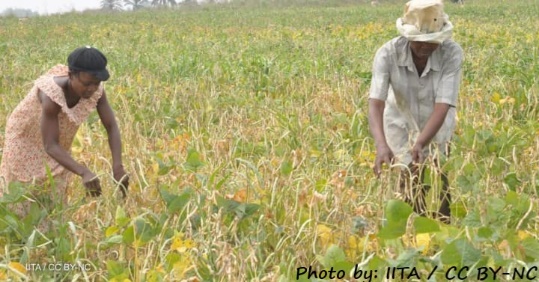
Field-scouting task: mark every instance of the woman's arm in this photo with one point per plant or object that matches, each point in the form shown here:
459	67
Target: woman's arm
50	132
115	142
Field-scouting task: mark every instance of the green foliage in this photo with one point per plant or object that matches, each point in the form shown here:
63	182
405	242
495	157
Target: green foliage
245	133
425	225
397	213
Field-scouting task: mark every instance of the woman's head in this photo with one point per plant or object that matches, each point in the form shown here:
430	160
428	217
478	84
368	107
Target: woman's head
425	21
90	60
87	69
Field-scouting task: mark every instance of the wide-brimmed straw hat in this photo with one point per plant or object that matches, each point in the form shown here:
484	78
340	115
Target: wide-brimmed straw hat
425	21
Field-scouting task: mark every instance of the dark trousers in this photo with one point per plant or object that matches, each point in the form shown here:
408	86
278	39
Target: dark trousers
414	189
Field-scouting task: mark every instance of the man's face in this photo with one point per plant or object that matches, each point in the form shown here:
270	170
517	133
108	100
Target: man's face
84	84
423	50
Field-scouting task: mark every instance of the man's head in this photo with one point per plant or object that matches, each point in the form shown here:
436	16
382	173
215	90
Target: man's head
426	15
425	21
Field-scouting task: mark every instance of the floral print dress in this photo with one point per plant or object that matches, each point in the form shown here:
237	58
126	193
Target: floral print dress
24	158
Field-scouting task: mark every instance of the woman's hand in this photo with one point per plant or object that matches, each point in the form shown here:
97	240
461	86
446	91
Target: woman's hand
122	178
383	155
91	183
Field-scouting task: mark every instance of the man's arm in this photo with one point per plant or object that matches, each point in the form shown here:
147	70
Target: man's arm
434	123
376	125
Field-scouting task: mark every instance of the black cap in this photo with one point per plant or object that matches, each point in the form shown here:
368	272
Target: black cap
89	59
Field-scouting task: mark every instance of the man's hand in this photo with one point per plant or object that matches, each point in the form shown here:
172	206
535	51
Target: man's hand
383	155
91	183
417	154
122	178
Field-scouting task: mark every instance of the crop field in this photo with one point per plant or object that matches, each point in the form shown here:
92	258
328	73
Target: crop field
245	134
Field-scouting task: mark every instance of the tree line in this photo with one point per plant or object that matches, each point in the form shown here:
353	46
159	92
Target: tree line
139	4
19	13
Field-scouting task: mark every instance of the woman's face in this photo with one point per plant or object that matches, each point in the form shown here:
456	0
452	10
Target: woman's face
84	84
423	50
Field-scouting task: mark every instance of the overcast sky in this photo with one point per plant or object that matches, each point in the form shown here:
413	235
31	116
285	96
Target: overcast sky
50	6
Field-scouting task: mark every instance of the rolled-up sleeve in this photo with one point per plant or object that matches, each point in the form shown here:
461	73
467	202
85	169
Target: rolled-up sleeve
449	85
380	75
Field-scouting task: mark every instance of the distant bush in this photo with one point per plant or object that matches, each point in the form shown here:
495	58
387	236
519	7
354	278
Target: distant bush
19	13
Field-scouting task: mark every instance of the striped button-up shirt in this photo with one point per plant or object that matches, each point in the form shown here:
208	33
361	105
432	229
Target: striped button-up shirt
410	98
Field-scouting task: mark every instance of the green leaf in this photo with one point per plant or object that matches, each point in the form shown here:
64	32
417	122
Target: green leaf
425	225
171	259
466	183
484	232
496	213
397	213
451	254
469	169
458	210
512	181
163	167
155	276
144	230
286	167
15	194
377	263
512	198
334	255
174	202
518	205
166	196
345	266
36	214
428	177
116	270
111	230
121	218
472	219
63	248
321	184
227	204
392	230
193	162
531	248
179	202
512	239
408	258
246	209
496	205
129	235
114	239
498	167
11	221
397	210
470	255
460	252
